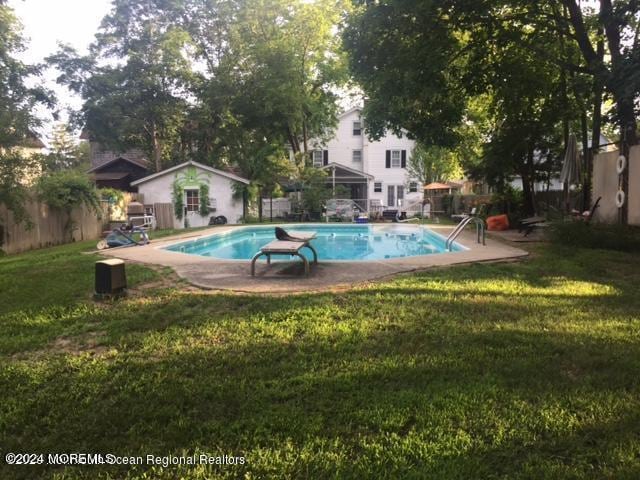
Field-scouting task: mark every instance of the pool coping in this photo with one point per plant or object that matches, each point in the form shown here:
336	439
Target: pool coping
283	277
291	228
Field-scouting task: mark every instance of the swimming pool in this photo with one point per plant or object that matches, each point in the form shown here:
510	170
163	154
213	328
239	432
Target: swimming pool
334	242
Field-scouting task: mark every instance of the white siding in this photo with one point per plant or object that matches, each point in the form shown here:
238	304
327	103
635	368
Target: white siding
159	190
373	157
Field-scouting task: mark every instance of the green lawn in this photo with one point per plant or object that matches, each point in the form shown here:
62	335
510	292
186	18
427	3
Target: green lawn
494	371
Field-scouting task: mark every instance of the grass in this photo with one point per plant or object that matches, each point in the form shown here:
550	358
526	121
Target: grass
492	371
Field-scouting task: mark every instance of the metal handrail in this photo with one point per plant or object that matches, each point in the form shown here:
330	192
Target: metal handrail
460	227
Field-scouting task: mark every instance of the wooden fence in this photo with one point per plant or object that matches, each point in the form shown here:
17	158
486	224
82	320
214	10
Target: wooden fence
48	227
164	215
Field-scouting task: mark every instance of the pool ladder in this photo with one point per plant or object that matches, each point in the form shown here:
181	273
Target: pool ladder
480	231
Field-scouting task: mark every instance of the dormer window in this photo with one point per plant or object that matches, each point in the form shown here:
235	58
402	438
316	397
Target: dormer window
357	128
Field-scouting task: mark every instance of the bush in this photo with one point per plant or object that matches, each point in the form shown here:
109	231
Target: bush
587	235
67	190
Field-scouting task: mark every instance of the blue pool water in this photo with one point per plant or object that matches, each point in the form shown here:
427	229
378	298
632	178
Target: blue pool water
334	242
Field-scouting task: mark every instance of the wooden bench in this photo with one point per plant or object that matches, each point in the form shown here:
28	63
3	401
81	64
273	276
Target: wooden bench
285	247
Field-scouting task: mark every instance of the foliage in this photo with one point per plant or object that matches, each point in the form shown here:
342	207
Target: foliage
140	100
17	103
430	164
204	199
111	195
17	99
314	190
530	358
16	172
67	190
579	234
286	61
65	153
177	197
409	60
510	201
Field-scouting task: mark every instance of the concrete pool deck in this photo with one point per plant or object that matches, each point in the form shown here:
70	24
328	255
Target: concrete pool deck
284	277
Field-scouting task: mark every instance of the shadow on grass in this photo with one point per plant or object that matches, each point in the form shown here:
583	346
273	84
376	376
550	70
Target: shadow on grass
407	379
487	403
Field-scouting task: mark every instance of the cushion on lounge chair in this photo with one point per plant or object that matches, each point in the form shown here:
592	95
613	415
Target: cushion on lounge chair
282	234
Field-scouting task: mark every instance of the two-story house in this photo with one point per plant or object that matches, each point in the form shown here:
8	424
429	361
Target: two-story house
375	173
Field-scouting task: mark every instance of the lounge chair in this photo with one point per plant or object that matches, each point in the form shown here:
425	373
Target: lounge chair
462	216
528	225
287	244
588	214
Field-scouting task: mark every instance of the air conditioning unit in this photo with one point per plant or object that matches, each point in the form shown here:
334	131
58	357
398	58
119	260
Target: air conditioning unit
111	279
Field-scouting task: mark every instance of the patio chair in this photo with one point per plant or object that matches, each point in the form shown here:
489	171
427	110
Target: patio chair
587	215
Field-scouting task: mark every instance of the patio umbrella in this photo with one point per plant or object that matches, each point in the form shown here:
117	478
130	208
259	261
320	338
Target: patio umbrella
570	173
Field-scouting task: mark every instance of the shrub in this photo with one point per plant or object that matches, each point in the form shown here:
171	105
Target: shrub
589	235
66	190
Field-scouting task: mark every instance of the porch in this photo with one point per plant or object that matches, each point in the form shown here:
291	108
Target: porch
355	182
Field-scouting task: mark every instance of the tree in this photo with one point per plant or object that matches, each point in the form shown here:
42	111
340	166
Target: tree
63	150
65	191
430	164
286	60
14	193
136	81
409	60
17	102
17	99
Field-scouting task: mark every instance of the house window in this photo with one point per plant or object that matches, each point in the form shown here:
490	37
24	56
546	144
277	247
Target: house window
317	158
357	127
377	187
413	187
396	159
192	198
356	155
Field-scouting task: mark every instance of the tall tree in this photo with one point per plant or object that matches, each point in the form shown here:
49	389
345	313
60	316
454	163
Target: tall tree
136	81
17	102
430	164
286	60
409	60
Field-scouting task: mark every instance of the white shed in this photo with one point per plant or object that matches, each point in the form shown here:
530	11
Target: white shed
201	191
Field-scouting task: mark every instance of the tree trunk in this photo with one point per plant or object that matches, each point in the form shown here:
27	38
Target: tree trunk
304	137
157	148
527	184
595	134
584	130
245	209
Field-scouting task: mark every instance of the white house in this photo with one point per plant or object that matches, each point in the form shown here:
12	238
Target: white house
374	172
204	193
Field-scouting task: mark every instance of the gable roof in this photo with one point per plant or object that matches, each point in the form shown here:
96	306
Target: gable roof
350	111
222	173
31	140
140	163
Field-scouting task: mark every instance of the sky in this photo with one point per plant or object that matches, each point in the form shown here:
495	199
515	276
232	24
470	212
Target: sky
46	22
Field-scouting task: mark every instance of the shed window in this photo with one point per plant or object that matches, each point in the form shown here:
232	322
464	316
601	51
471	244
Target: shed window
192	198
